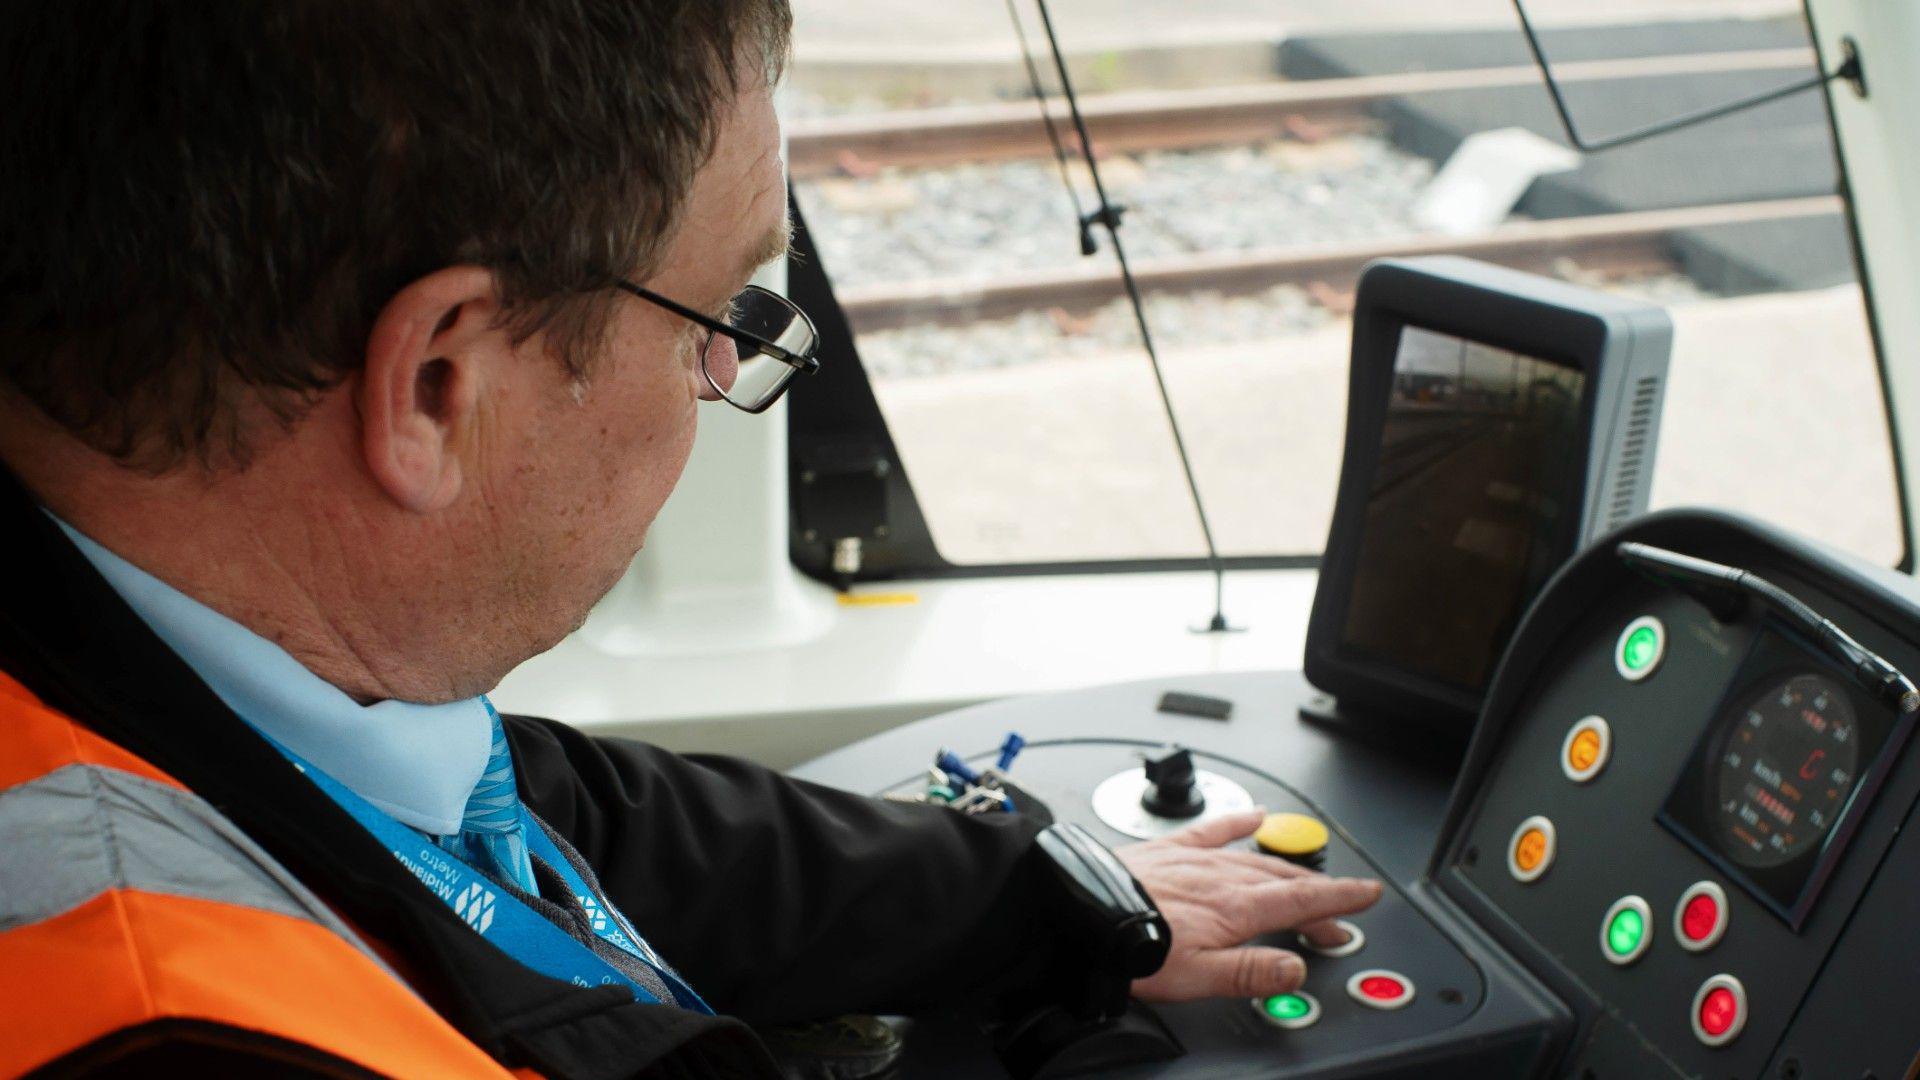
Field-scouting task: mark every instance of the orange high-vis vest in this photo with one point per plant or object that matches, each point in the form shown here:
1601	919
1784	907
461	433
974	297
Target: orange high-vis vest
128	902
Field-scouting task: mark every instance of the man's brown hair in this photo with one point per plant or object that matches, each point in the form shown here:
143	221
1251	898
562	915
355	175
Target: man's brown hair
204	201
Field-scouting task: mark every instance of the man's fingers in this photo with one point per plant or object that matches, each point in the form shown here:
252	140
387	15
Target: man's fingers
1248	971
1299	902
1272	865
1324	935
1224	829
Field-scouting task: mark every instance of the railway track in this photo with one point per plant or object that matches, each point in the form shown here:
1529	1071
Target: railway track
1160	120
1634	243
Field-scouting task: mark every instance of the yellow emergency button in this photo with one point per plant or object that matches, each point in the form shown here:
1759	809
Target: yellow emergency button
1294	837
1531	850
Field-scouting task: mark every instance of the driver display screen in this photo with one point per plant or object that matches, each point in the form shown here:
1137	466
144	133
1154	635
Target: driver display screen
1478	466
1778	773
1791	758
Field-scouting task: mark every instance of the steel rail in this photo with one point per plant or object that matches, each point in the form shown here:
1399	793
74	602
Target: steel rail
1632	242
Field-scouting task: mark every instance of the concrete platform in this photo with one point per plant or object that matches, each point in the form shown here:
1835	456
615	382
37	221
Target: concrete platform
1774	408
1780	150
1735	260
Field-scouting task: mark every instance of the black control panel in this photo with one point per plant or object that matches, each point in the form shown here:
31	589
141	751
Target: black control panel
1681	842
1678	818
1412	988
1398	979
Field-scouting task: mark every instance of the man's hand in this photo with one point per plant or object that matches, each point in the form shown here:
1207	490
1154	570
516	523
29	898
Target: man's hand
1215	901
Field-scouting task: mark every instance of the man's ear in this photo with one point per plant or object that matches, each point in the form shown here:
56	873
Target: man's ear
420	387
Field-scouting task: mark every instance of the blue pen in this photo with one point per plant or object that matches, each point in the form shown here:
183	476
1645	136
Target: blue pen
1010	750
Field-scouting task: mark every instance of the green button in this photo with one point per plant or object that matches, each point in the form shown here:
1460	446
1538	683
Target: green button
1641	647
1625	931
1287	1007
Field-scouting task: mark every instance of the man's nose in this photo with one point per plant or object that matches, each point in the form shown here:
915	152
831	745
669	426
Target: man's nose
722	363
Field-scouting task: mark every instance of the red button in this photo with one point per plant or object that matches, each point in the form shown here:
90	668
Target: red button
1382	988
1718	1011
1378	988
1700	917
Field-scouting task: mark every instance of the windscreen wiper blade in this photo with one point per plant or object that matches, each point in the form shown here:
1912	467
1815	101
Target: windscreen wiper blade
1729	593
1108	215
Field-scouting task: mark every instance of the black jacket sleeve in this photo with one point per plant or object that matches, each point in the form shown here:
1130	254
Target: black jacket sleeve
781	900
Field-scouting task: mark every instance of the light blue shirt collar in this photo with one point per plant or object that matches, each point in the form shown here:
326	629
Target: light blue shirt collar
418	763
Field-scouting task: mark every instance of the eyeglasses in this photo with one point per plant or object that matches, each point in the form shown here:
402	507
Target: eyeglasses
775	340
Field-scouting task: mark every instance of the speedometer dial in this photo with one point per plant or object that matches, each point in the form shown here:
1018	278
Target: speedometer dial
1786	769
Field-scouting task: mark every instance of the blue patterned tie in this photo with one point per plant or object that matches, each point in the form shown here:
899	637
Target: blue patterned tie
491	836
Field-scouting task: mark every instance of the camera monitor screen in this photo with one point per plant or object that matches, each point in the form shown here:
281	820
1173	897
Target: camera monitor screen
1479	450
1496	422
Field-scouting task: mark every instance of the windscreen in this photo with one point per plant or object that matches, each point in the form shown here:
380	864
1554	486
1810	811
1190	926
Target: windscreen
1477	468
1008	367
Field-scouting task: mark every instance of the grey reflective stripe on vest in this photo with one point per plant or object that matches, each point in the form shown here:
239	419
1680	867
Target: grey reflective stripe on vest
80	830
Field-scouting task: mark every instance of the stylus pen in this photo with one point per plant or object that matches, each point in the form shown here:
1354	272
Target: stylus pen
1726	591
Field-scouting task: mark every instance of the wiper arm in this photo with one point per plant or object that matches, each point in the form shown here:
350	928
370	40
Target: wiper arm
1729	593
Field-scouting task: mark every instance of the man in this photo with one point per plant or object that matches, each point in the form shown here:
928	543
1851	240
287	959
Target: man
351	350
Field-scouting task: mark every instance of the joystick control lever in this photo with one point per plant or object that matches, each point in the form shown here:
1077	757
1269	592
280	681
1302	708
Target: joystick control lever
1173	789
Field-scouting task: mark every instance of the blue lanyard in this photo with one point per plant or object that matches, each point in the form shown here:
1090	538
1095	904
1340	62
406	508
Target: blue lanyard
503	920
609	922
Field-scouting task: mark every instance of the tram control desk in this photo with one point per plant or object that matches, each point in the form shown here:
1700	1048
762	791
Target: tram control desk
1637	785
1680	842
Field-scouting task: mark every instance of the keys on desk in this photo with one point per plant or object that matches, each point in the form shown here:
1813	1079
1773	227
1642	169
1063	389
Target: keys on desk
952	783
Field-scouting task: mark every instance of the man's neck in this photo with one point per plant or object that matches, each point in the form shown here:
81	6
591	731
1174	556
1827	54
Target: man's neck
306	578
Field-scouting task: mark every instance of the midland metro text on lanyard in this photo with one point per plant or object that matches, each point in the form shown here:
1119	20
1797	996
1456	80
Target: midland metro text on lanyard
504	920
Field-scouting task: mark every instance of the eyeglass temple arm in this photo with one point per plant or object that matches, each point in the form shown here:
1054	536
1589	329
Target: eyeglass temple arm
806	364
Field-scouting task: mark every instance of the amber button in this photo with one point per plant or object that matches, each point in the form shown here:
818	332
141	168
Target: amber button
1531	850
1585	750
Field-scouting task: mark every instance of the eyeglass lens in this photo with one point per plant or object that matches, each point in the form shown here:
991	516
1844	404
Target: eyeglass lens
761	376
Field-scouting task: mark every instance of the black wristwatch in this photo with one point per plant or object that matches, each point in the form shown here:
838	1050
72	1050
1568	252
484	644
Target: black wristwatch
1111	917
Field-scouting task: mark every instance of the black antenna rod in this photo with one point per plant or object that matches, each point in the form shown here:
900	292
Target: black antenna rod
1087	246
1107	214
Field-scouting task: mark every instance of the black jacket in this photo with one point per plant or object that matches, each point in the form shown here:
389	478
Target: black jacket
778	900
